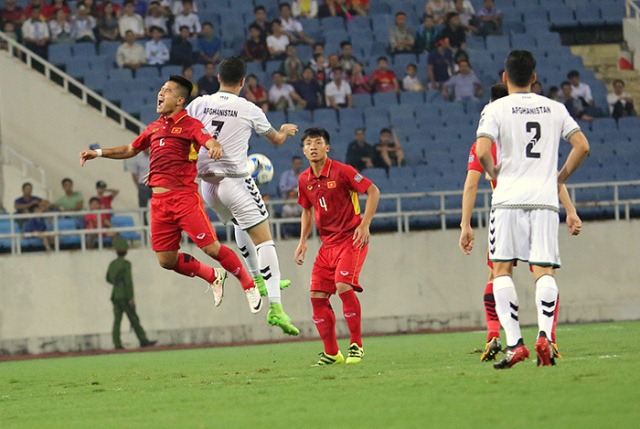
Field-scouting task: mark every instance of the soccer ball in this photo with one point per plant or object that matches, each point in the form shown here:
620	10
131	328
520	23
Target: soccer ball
260	168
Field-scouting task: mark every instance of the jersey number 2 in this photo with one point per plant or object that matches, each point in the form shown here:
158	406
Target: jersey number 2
535	127
218	126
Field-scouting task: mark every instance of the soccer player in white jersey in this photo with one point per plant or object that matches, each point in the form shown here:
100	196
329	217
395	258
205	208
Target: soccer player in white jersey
226	184
524	210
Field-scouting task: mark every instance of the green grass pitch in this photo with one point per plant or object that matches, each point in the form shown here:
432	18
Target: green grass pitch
404	381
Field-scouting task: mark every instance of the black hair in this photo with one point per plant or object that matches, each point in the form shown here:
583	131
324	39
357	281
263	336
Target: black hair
520	66
182	27
385	130
155	28
565	82
345	43
295	157
498	91
209	23
316	132
451	15
232	70
65	180
276	21
92	199
185	86
400	13
258	8
25	184
281	5
573	73
382	58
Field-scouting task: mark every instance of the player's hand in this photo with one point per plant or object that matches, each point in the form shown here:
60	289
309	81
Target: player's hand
574	223
300	253
215	151
467	239
86	155
289	129
361	236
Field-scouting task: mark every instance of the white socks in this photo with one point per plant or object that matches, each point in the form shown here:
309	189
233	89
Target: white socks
269	269
546	299
507	306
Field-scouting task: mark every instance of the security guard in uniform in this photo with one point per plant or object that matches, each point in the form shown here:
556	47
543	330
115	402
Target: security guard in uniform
119	275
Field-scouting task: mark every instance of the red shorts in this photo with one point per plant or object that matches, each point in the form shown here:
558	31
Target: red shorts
337	264
175	211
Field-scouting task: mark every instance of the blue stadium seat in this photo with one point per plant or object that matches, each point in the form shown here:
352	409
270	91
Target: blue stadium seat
612	14
385	99
561	15
351	119
299	116
332	23
276	117
588	14
325	116
84	50
150	73
359	22
60	53
70	240
362	100
523	41
123	221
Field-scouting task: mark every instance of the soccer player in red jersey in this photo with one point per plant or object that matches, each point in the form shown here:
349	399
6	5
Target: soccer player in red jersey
329	189
176	205
475	171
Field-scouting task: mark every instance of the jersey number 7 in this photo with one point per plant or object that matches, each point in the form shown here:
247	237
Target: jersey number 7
218	126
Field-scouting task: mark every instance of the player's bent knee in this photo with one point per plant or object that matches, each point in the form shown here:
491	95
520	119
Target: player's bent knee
343	287
167	260
212	249
318	294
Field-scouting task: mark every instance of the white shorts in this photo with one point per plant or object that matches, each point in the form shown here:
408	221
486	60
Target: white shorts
526	235
235	199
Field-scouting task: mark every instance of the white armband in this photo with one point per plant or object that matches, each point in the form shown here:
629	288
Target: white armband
98	152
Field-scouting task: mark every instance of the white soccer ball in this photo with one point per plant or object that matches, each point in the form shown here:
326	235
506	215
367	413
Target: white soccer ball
260	168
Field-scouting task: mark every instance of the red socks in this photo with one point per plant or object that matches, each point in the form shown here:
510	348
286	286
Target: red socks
352	315
325	321
493	323
230	262
189	266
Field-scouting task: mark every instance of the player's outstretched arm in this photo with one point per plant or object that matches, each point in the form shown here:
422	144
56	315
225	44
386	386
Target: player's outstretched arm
276	138
361	234
574	223
469	193
306	224
578	154
119	152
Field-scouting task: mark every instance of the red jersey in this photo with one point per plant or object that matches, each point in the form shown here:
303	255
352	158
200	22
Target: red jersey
334	196
384	80
174	146
105	201
474	162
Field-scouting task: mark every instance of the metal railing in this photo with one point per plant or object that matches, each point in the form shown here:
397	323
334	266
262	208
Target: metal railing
632	8
446	214
27	167
71	85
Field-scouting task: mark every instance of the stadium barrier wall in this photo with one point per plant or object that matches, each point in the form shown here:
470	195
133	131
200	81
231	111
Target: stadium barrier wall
41	121
59	302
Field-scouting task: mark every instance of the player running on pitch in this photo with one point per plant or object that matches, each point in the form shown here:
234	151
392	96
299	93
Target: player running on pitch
227	186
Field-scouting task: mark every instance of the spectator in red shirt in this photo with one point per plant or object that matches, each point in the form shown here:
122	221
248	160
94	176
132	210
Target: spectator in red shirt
383	79
256	93
105	196
12	13
91	221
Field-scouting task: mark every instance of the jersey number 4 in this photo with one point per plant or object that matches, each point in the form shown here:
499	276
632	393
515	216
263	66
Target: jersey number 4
218	127
535	127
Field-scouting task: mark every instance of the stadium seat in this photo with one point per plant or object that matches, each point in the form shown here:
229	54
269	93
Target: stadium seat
385	99
332	23
588	14
351	119
325	116
362	100
123	221
60	53
84	50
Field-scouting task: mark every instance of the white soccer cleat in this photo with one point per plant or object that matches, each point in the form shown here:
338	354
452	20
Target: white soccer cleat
254	298
217	286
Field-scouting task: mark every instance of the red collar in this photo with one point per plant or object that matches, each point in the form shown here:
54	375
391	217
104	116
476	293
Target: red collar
175	118
325	170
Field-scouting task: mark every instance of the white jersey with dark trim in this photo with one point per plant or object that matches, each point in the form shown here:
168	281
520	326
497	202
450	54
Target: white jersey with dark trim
527	129
231	120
